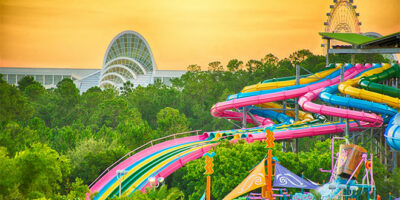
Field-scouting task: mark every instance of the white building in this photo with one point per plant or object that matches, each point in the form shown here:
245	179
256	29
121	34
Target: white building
127	58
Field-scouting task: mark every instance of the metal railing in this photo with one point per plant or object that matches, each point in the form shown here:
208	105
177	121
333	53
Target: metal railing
151	143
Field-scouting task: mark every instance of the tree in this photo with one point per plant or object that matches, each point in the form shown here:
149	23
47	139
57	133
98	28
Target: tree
298	56
14	106
66	138
133	135
41	171
170	121
15	137
285	68
234	65
270	59
162	193
127	88
253	65
25	82
34	91
194	68
151	99
8	175
78	190
90	157
110	112
215	66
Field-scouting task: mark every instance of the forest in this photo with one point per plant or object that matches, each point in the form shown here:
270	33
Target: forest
55	142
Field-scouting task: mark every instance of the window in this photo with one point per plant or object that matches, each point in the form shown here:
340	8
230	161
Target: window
48	79
19	77
12	79
167	81
57	78
67	76
156	79
39	78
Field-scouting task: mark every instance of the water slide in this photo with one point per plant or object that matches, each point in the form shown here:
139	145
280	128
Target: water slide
370	83
157	161
163	159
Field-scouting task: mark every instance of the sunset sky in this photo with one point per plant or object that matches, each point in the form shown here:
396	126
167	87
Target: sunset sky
76	33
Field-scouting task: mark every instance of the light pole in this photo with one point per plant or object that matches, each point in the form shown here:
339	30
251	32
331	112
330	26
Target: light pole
152	181
120	174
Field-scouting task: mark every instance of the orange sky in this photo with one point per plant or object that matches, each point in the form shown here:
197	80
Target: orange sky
76	33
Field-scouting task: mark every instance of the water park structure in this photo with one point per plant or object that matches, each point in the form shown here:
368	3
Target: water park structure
373	104
358	101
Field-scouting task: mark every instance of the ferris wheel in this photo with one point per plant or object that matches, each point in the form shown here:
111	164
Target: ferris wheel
342	18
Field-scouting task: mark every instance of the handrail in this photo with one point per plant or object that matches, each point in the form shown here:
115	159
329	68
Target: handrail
130	153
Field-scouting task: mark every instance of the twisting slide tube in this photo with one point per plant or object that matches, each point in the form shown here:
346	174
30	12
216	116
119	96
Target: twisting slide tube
163	159
221	109
370	82
306	103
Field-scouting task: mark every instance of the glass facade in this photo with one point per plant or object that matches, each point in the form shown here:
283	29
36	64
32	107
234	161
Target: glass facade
129	56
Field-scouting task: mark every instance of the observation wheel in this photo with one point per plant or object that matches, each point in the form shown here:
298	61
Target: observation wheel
342	18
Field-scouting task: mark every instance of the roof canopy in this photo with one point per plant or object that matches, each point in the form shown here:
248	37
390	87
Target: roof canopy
392	40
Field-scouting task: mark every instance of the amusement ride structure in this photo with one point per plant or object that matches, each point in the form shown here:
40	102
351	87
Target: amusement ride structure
367	107
342	18
360	101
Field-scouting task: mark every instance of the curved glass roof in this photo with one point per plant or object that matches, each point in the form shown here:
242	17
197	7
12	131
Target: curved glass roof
131	52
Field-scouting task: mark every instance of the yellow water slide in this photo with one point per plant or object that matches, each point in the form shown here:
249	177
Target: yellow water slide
349	87
273	85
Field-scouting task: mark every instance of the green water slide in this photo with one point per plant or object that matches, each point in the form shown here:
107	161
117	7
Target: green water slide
371	82
288	78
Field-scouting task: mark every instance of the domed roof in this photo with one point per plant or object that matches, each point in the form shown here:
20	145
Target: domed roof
128	56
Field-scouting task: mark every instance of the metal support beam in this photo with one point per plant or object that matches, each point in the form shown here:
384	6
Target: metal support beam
365	51
328	44
346	130
394	161
296	108
254	119
244	118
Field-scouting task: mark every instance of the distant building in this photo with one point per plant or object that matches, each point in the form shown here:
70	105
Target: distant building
49	77
127	58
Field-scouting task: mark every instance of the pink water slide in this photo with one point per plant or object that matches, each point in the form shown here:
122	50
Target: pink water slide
222	109
136	157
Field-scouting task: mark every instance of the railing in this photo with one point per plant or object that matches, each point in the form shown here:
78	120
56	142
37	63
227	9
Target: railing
136	150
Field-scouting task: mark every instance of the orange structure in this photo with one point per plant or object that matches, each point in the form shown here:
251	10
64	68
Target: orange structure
209	170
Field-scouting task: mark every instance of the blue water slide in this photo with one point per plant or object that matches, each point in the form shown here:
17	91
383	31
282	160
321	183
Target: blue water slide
392	132
328	95
280	117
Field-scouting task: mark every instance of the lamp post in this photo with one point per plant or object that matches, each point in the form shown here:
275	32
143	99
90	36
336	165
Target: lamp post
152	181
120	174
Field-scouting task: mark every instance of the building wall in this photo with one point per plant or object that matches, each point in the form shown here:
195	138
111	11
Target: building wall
128	58
83	78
